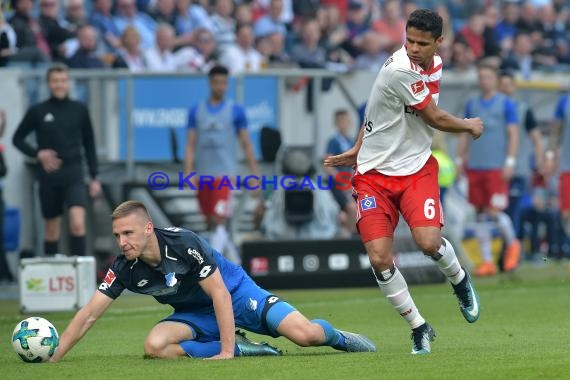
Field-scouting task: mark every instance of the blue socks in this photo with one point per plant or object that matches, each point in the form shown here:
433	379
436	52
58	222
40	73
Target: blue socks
333	337
203	349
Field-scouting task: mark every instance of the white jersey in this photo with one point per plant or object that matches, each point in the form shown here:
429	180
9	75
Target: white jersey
396	139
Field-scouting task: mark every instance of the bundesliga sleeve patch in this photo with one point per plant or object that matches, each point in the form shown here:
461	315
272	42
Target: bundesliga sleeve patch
418	87
367	203
110	278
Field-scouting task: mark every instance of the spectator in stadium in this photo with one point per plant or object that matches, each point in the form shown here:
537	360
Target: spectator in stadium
202	56
31	43
85	57
357	23
161	56
210	296
5	273
520	59
529	21
215	125
243	14
554	25
7	40
308	53
56	31
278	57
391	25
339	143
102	19
530	150
127	14
164	12
130	56
64	138
242	57
271	22
223	23
506	29
333	29
189	19
287	14
396	172
489	163
373	54
472	34
558	155
75	14
491	46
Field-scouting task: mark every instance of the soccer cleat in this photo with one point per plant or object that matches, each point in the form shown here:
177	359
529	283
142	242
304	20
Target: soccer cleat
421	337
357	342
247	347
486	269
512	256
468	298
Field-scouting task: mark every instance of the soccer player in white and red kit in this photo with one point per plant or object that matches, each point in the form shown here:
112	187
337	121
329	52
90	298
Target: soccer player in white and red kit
396	173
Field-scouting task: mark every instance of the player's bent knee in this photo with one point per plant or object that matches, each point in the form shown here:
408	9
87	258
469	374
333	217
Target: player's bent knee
154	347
381	261
429	246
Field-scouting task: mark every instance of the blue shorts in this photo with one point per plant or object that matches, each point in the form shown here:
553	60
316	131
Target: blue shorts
255	310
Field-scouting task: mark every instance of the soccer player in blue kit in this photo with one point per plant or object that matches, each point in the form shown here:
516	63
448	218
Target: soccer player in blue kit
210	296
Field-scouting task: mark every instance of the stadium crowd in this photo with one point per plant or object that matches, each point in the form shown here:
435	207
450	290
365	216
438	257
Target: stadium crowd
341	35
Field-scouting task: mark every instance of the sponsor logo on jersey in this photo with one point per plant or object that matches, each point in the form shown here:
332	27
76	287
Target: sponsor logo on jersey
252	304
195	254
205	271
367	203
48	118
171	279
418	87
272	299
142	282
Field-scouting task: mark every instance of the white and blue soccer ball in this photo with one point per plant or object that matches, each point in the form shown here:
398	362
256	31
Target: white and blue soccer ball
35	340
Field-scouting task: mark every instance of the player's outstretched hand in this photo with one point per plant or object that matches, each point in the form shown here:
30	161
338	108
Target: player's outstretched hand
347	158
222	356
476	129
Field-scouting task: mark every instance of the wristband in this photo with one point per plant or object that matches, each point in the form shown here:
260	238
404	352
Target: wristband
549	155
510	161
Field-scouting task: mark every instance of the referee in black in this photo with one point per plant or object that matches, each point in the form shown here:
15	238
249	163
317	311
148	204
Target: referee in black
64	135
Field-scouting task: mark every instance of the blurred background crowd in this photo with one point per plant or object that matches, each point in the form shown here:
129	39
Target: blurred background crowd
341	35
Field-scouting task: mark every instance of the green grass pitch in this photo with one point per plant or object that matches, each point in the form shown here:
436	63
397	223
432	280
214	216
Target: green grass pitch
523	333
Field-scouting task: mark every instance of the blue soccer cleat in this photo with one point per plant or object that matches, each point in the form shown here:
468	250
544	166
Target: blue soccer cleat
468	299
357	342
247	347
421	338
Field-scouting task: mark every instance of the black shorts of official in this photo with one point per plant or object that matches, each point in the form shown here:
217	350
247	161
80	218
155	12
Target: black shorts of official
55	196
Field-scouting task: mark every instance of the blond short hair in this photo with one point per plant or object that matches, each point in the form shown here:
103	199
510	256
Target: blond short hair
130	207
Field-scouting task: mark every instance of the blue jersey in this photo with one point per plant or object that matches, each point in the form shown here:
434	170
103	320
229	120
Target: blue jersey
186	259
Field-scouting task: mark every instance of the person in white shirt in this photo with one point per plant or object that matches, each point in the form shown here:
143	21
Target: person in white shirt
130	56
161	57
243	56
396	173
